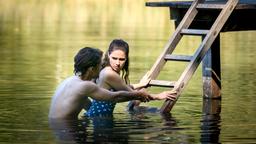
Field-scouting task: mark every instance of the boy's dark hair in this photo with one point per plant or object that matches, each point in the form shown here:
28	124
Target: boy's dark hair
85	58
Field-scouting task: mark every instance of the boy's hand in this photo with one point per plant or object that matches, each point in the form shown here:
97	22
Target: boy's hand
144	96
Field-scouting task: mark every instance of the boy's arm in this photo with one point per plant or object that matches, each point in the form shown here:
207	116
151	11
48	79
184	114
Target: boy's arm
87	104
97	93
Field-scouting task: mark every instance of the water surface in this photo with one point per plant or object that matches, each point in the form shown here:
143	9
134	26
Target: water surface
38	40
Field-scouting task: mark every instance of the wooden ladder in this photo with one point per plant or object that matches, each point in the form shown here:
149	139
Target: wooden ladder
182	29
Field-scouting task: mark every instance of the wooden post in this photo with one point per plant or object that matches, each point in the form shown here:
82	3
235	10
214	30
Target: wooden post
211	71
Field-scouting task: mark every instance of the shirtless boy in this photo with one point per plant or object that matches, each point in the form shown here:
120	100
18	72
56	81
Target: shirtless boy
71	96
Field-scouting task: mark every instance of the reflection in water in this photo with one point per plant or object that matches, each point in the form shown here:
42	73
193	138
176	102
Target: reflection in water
210	123
110	130
69	131
169	120
146	127
105	130
76	131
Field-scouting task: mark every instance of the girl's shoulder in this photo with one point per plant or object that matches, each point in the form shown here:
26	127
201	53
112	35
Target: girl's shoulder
108	72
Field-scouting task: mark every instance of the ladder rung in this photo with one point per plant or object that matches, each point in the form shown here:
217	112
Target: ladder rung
178	57
161	83
210	6
194	31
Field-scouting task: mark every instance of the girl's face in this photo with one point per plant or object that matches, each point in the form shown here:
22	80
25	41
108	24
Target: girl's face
117	60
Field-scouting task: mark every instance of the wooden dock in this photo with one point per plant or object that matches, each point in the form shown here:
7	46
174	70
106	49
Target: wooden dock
240	19
201	20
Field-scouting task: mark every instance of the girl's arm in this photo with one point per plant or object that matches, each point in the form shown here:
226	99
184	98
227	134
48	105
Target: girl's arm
113	80
143	82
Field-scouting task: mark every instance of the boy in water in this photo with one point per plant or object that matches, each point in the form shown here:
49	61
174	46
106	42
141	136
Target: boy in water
72	94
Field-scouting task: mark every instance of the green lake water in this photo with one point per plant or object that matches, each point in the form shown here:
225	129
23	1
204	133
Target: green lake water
38	39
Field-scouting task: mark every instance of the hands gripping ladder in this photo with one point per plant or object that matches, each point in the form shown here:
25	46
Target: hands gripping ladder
194	61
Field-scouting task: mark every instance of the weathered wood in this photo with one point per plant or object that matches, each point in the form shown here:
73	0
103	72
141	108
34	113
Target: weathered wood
178	57
161	83
194	32
210	6
173	41
242	4
211	71
240	19
200	53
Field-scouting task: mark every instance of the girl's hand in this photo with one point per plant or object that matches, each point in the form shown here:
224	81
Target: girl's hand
170	95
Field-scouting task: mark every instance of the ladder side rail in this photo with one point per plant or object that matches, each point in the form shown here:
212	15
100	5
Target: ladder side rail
173	41
200	53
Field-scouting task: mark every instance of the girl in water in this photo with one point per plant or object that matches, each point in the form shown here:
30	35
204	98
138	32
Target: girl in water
114	76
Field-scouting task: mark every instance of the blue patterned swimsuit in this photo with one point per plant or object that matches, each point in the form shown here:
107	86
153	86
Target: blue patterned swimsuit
100	108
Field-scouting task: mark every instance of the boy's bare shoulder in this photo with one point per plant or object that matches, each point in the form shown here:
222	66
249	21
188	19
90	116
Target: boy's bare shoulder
87	86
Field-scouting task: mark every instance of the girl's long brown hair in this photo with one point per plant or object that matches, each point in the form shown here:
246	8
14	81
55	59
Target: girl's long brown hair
118	44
